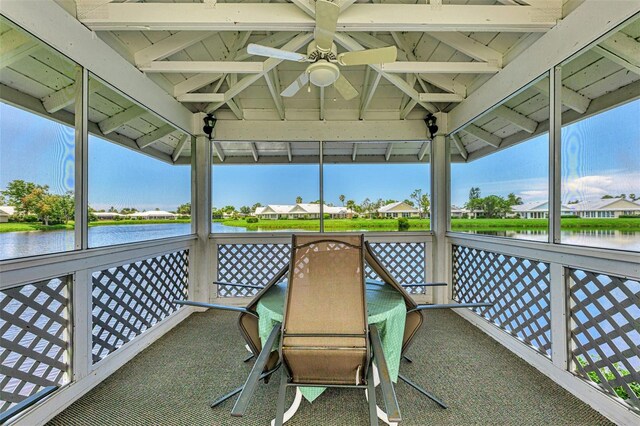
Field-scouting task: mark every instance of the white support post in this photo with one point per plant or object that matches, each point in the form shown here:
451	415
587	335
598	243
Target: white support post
81	302
440	209
81	158
202	211
555	145
321	189
558	306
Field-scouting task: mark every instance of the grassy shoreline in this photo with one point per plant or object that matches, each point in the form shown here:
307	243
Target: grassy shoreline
624	224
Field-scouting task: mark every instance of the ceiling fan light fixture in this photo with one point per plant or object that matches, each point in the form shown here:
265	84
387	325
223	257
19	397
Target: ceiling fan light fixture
323	73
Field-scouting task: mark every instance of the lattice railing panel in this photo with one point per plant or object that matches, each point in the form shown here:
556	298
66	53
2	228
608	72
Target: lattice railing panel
257	263
252	264
518	287
404	261
34	329
131	298
605	332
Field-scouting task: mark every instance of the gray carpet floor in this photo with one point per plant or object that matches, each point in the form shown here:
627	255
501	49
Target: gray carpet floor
172	382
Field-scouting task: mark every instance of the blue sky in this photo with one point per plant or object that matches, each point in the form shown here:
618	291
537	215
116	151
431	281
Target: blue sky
600	155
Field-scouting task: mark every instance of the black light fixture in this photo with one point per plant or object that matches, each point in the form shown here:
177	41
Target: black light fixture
209	125
430	121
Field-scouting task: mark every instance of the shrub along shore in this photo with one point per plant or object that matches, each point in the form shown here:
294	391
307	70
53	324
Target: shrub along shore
622	224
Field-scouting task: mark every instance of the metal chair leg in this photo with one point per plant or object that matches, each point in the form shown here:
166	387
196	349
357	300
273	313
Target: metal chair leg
422	391
371	393
223	398
406	358
249	358
282	393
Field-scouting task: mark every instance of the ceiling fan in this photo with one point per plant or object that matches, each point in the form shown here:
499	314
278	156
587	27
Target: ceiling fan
322	53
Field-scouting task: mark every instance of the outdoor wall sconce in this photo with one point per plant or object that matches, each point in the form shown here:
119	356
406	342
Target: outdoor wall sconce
209	124
430	121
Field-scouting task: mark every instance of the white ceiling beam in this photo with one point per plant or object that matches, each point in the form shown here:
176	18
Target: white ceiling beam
219	151
517	119
235	108
275	93
201	80
46	20
111	124
408	108
575	32
354	152
388	152
616	59
368	96
347	130
180	147
289	17
66	96
254	152
154	136
201	97
470	47
570	98
440	68
623	46
351	45
423	150
170	45
289	153
458	143
14	45
483	135
293	45
441	97
306	6
445	83
193	67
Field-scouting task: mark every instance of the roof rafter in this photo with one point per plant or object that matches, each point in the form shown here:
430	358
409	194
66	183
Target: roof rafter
440	67
470	47
274	89
170	45
483	135
14	45
517	119
66	96
570	98
193	67
154	136
112	123
458	142
219	151
180	147
423	150
288	17
368	96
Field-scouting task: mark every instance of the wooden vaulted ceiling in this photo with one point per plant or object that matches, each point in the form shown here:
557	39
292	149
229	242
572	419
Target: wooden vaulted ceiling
195	50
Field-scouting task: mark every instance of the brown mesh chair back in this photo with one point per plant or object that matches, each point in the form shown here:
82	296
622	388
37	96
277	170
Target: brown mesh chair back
414	318
325	333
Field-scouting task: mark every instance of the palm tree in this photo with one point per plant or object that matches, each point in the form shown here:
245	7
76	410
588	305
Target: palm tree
341	198
298	199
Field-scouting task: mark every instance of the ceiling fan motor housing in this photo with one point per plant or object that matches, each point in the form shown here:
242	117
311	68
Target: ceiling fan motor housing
323	73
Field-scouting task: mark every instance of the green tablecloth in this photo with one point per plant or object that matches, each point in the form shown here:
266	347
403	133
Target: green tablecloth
386	310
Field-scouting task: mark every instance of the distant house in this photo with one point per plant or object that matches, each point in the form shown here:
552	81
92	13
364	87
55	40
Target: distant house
462	212
5	212
300	211
536	210
107	215
398	209
153	214
610	207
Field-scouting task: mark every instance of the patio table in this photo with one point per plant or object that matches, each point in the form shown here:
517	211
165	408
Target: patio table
386	309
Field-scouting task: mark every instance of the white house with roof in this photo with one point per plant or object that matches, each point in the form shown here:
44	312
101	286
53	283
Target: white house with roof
398	209
5	212
463	212
536	210
107	215
301	211
153	214
605	208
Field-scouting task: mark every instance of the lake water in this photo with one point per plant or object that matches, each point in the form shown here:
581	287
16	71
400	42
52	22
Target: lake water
23	244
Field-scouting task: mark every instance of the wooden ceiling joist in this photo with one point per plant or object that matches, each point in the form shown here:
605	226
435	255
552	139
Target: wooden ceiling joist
423	150
483	135
170	45
154	136
194	67
111	124
570	98
201	97
219	151
368	96
14	46
516	118
288	17
470	47
440	67
441	97
66	96
177	151
274	90
459	145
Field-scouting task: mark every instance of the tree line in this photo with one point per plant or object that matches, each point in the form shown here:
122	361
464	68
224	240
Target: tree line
491	206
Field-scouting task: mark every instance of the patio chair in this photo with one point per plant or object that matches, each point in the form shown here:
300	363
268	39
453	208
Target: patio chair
414	317
325	338
248	325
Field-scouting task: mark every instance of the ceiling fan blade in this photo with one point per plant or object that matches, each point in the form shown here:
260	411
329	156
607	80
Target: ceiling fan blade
297	84
326	21
345	88
272	52
367	57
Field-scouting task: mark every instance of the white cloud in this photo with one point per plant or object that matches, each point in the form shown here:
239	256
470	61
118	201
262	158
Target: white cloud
593	187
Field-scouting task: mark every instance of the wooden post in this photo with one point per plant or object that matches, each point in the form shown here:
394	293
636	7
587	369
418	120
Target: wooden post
200	282
440	208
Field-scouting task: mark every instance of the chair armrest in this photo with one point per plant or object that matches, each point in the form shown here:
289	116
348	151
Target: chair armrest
213	306
259	287
250	385
452	306
388	392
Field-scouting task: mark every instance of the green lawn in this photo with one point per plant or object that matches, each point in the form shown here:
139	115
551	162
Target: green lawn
630	225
